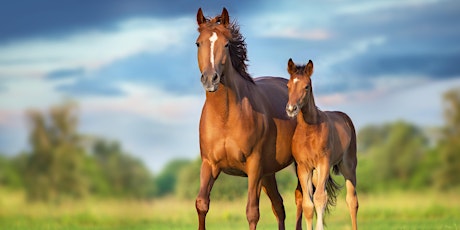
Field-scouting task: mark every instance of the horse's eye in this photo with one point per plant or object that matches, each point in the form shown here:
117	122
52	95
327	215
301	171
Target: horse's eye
226	45
307	87
197	44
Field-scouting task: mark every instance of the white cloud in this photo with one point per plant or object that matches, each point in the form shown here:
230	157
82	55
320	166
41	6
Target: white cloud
373	6
92	49
420	103
150	102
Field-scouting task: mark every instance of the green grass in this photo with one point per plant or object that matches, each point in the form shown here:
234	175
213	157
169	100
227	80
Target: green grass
394	211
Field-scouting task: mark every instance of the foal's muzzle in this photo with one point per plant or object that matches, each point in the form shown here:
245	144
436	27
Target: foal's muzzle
292	110
210	81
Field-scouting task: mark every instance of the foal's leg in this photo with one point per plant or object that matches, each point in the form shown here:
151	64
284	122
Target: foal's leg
298	201
320	195
305	178
270	188
207	179
348	170
254	172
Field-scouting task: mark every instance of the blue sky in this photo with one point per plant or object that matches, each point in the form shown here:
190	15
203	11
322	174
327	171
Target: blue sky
131	65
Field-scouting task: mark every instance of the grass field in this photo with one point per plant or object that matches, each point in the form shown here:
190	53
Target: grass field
396	211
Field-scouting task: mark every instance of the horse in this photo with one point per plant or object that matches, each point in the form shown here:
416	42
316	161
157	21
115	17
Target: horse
322	140
243	130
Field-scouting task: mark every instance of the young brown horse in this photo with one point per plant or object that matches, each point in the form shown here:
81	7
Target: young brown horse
244	130
321	140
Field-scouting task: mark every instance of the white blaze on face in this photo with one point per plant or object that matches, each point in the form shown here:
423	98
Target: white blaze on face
296	80
212	39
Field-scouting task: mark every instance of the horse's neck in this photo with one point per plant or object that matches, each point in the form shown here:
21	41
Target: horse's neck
229	94
310	114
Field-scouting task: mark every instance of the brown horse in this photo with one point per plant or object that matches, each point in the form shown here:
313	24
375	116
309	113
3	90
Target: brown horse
244	130
321	140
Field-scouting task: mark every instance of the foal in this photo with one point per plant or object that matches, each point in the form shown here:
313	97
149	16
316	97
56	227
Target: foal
322	140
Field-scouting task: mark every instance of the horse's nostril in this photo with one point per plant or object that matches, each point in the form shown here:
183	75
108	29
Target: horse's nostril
291	108
202	78
214	78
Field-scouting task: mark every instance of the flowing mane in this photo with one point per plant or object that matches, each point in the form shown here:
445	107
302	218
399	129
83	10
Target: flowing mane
237	44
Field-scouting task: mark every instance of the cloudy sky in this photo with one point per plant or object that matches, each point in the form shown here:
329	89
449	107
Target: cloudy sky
131	65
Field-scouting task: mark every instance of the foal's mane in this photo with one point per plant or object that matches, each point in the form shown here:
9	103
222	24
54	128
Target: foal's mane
237	44
299	69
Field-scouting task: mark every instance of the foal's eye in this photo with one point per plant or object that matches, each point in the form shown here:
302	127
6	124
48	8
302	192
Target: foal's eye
226	45
197	44
307	87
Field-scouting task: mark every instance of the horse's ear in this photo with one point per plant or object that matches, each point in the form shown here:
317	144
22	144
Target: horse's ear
224	18
200	19
309	68
291	67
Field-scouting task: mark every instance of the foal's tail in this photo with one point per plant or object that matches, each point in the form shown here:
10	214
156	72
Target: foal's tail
333	189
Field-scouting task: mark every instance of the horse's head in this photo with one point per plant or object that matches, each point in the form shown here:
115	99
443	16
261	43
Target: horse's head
299	86
212	43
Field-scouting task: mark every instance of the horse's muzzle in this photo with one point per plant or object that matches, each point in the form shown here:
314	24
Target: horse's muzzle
210	82
292	110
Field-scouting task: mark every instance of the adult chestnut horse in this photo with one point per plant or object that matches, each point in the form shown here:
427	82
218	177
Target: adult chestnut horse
321	140
244	130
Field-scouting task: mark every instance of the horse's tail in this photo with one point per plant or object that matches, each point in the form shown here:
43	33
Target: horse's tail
333	189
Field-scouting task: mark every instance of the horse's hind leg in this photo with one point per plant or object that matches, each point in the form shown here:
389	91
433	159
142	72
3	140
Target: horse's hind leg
270	188
207	179
348	170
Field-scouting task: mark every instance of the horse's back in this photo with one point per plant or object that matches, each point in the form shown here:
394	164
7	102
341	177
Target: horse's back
344	128
274	89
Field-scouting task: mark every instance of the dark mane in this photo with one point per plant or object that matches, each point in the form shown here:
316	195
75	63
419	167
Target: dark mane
237	44
299	69
238	52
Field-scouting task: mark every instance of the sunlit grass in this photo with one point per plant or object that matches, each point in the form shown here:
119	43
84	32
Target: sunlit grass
394	211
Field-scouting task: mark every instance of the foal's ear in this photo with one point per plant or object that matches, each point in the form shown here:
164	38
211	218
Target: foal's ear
200	19
309	68
224	18
291	67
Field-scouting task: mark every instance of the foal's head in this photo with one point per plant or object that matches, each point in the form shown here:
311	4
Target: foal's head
213	44
299	86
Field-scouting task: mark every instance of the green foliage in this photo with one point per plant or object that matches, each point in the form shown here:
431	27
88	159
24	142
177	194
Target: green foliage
449	144
120	174
59	166
392	158
10	171
166	181
226	187
54	168
188	181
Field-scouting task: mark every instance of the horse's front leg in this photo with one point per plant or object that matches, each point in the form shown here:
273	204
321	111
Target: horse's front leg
254	172
207	178
304	174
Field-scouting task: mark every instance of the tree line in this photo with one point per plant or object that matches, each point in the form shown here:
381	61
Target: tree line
65	164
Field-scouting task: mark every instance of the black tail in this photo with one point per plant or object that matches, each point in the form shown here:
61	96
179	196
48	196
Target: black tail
333	189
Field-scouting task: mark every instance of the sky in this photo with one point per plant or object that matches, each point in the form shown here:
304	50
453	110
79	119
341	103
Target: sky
132	66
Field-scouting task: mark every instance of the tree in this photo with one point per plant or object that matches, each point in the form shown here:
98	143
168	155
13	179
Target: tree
392	157
166	181
54	168
121	174
449	144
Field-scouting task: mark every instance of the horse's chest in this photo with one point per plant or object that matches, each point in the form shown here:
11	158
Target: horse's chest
227	149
